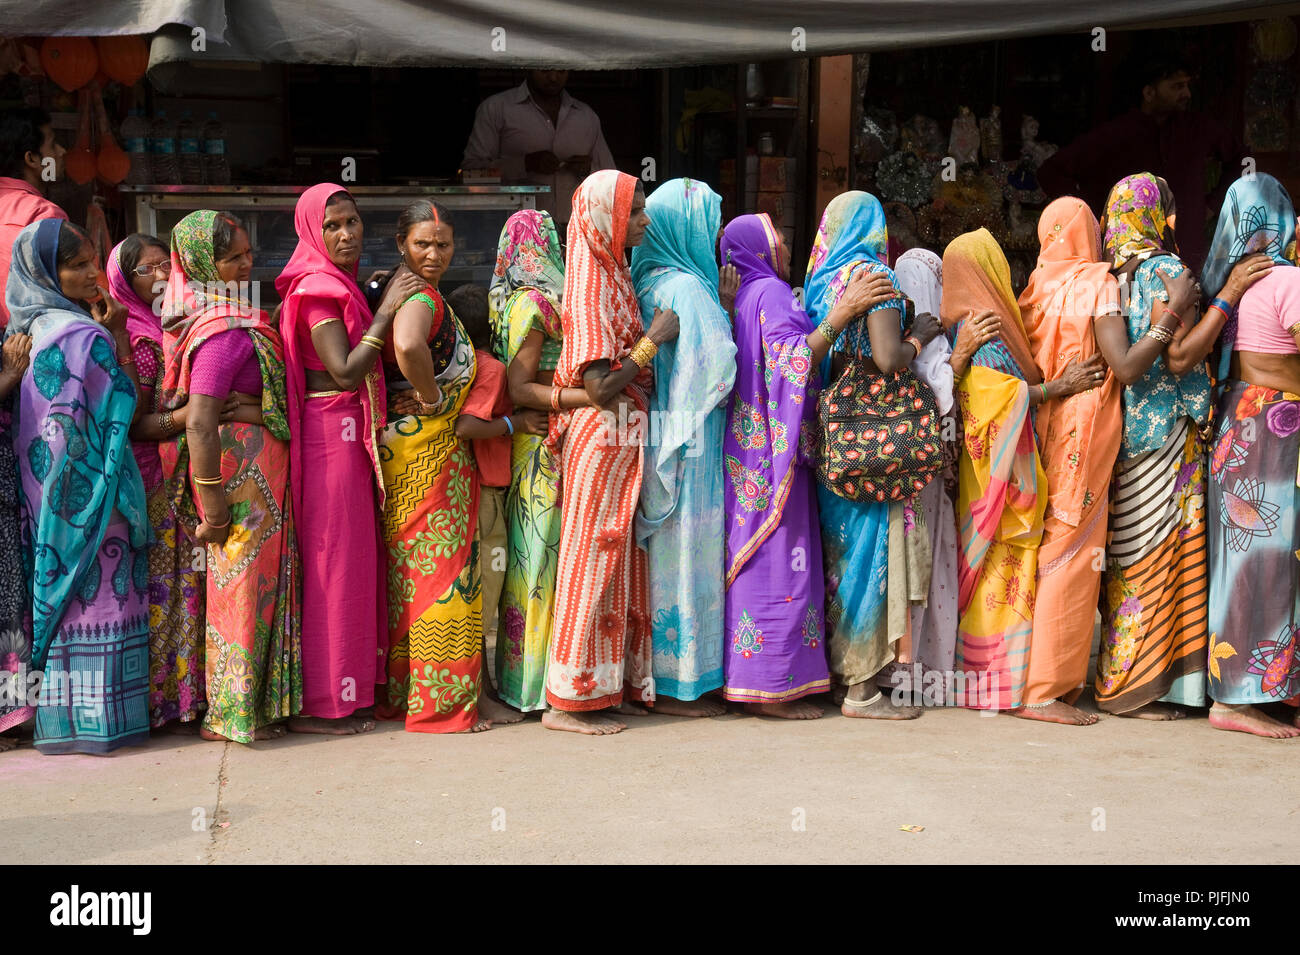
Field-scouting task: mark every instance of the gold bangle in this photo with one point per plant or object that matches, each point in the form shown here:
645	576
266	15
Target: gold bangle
129	360
209	481
643	352
372	341
166	423
325	321
557	396
1160	334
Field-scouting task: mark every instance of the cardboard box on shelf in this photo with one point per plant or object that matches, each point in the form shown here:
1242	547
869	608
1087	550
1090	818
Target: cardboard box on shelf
780	206
777	174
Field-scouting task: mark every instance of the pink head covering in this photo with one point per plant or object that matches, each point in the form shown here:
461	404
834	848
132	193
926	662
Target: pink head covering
141	322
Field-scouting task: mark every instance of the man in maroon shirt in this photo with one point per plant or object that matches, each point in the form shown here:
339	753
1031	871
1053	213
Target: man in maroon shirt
1158	136
26	142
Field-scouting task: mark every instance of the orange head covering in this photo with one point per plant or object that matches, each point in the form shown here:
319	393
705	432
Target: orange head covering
976	278
1068	289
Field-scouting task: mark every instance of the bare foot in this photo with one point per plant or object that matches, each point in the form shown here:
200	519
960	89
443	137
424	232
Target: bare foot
881	708
482	724
1247	719
498	712
7	743
271	731
628	708
1055	712
1154	711
670	706
590	723
798	710
343	726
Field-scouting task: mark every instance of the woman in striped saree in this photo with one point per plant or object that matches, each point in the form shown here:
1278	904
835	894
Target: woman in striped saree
1002	487
82	503
435	601
1078	438
231	478
681	521
1153	642
1254	502
877	554
137	270
600	644
524	304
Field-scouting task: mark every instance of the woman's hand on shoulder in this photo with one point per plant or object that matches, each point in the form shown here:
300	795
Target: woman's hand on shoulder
977	331
664	327
15	356
403	285
926	327
866	290
728	286
1245	274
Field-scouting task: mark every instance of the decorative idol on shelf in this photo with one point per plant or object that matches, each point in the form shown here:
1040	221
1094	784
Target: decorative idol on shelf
904	177
923	136
1022	227
1030	148
991	135
964	140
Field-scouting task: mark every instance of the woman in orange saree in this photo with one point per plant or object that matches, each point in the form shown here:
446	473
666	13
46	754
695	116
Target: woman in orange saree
1078	438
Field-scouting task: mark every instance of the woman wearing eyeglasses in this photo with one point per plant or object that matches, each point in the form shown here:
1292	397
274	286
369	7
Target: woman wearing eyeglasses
138	269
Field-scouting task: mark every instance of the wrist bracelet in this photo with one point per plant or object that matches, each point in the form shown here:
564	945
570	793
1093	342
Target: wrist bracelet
1043	385
915	343
556	394
1222	306
510	428
643	352
129	360
1160	334
208	481
830	332
166	423
373	342
216	527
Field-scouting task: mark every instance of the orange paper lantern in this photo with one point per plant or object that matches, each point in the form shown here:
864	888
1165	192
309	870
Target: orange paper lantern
123	58
70	61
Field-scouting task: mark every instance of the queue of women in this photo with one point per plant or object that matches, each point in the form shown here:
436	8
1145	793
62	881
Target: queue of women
910	486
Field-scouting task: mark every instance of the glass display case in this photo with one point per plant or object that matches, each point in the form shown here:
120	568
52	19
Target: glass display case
478	212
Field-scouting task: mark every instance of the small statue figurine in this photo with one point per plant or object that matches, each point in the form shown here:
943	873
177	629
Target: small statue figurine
991	135
1030	148
964	140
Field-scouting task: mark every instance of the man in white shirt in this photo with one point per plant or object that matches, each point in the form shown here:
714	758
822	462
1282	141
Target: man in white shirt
538	133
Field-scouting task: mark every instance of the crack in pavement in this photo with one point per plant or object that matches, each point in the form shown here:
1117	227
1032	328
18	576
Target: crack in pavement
213	827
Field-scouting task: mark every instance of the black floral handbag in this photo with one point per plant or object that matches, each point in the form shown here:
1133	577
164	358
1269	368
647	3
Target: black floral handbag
880	434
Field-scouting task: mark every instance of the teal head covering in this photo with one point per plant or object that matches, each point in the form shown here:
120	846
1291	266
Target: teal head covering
33	290
685	216
852	232
1257	216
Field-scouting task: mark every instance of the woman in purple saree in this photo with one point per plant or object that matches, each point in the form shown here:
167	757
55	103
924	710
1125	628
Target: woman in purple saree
774	639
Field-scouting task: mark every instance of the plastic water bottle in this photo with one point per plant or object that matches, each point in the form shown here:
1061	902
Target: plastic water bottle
190	157
162	143
216	168
135	141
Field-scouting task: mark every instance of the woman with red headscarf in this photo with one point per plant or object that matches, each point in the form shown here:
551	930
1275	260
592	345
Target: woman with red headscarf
600	638
335	389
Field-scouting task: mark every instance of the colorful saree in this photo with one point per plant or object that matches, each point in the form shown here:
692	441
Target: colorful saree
334	477
526	288
176	578
1002	490
877	556
1154	622
681	519
775	588
85	532
253	654
435	602
1254	491
600	644
1079	440
934	624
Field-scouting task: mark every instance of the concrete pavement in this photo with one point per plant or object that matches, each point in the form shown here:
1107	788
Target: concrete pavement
734	789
